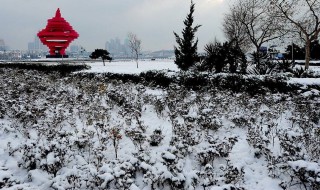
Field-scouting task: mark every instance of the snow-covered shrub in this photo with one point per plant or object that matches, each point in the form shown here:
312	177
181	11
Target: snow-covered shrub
168	157
207	155
115	136
256	139
46	155
137	136
242	121
105	175
291	145
63	69
116	97
305	174
209	122
184	138
156	137
159	106
7	178
124	174
193	81
216	149
155	78
59	127
102	132
207	176
82	140
234	175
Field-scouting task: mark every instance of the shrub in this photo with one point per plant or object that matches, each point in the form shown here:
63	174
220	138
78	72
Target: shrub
156	137
218	56
63	69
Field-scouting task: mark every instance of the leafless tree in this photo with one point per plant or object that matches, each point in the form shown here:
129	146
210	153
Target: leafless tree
304	17
135	46
250	20
234	30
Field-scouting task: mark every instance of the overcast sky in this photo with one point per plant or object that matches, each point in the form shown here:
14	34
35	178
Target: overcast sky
98	21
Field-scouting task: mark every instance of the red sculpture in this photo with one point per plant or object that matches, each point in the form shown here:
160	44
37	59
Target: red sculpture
57	35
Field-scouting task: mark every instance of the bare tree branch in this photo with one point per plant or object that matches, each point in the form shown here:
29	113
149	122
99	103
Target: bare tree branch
304	16
135	46
257	25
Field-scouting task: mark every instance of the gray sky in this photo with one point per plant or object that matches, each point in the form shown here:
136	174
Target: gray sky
97	21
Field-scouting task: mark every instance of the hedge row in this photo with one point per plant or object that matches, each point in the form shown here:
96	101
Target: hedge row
196	81
60	68
203	81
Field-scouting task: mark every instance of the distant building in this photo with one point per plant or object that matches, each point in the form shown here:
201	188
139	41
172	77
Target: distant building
161	54
3	46
36	47
118	49
74	48
77	51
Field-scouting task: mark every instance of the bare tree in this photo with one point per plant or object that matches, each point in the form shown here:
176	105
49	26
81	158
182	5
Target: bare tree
251	20
304	17
234	30
135	46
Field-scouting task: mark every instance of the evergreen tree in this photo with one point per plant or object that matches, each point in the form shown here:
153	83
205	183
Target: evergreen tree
298	52
315	50
104	54
235	57
186	52
215	57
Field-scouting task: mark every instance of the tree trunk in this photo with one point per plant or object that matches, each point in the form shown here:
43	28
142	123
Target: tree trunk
103	62
257	56
137	59
307	57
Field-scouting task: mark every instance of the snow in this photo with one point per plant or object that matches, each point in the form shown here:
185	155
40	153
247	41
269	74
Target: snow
310	166
39	177
134	187
130	67
66	138
168	156
304	81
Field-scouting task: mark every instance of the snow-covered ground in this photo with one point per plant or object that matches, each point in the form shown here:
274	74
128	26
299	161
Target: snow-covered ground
130	67
81	133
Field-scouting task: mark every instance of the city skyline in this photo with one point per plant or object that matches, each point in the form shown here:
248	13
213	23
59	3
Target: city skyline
99	21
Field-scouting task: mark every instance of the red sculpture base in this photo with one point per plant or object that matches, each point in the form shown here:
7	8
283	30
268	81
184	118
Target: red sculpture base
57	56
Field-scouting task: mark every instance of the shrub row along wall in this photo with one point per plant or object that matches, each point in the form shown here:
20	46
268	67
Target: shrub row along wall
60	68
202	81
191	80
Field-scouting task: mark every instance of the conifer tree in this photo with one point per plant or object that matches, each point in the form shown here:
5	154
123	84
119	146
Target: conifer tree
104	54
186	51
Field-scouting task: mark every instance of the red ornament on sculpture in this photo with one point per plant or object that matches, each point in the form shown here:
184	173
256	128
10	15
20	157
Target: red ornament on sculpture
57	35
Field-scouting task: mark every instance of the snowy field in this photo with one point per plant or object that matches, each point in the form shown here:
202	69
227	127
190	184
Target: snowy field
130	67
80	133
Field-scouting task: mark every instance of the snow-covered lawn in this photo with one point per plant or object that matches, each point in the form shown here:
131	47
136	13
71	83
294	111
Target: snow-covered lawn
130	67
